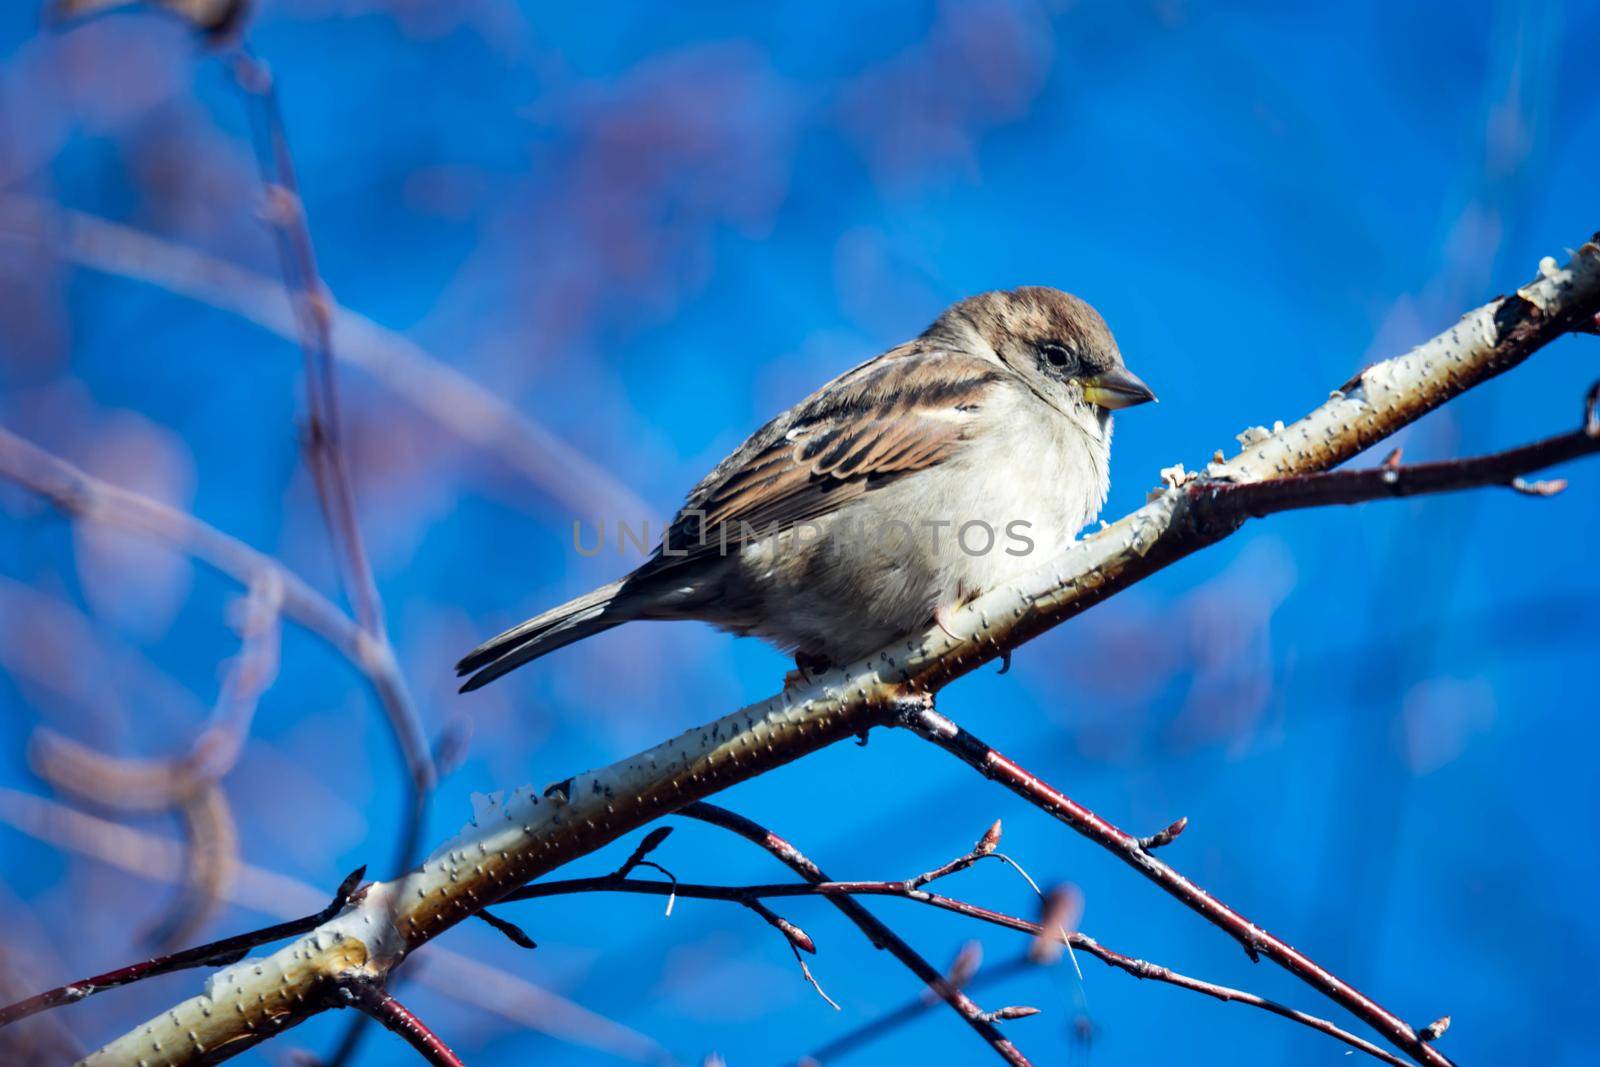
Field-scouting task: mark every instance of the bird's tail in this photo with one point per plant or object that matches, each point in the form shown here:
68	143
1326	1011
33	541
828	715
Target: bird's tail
573	621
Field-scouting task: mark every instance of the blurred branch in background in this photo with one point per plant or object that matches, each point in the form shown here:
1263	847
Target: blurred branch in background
189	784
516	838
472	413
284	210
50	1041
1280	471
88	499
965	972
212	954
458	977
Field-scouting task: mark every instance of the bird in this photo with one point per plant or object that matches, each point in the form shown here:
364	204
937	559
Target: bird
894	494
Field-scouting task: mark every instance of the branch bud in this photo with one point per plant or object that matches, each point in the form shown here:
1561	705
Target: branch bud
1164	837
797	937
1006	1014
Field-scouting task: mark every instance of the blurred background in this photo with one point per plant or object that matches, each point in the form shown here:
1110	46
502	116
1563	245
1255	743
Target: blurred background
582	251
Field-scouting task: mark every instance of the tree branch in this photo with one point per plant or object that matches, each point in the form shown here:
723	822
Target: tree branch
84	497
932	726
875	929
529	832
474	985
216	953
838	891
1217	501
285	213
963	973
377	1003
478	416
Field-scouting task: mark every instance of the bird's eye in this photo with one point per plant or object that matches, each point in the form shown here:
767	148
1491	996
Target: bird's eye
1056	355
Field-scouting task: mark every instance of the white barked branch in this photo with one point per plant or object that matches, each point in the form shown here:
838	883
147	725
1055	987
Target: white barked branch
529	832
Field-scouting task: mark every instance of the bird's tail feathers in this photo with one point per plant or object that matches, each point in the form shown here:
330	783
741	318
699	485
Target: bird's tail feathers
573	621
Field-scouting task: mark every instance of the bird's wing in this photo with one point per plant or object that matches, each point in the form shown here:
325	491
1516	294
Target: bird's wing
905	411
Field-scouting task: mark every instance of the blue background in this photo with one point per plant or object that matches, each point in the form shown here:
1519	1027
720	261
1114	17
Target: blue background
649	231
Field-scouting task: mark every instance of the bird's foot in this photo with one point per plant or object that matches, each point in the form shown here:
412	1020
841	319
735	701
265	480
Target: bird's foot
806	669
941	619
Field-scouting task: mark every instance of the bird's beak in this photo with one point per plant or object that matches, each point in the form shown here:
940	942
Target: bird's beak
1116	389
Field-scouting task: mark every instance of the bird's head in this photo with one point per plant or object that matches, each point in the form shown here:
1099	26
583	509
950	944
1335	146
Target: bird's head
1058	345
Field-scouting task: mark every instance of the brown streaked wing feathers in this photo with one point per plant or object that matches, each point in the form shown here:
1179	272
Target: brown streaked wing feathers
886	418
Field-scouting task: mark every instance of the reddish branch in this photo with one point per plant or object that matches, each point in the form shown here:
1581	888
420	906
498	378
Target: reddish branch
927	723
373	1000
962	973
1215	501
876	931
214	954
906	890
1236	500
284	210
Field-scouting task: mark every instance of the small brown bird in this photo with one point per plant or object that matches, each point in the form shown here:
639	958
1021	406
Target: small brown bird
898	491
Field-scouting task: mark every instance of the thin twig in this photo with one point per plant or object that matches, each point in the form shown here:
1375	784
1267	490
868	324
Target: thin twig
473	984
744	894
284	210
213	954
534	832
377	1003
927	723
896	1018
875	929
1295	491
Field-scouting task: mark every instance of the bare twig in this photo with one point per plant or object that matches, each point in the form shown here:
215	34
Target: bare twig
927	723
528	833
963	974
376	1002
512	932
284	210
459	977
984	848
899	889
875	929
652	841
214	954
1291	492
